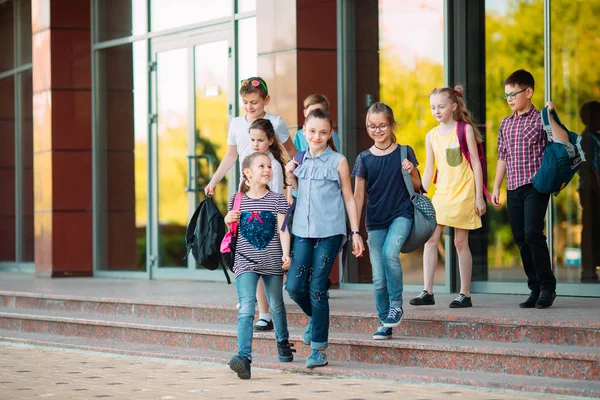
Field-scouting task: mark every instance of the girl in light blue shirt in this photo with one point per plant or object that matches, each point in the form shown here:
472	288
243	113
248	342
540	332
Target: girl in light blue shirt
322	180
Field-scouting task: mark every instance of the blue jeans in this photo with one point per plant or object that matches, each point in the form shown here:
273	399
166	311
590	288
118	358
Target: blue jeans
384	252
312	260
246	289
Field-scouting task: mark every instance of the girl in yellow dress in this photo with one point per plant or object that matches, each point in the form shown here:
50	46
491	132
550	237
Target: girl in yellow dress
458	198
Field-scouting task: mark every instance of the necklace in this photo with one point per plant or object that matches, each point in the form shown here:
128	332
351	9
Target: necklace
379	148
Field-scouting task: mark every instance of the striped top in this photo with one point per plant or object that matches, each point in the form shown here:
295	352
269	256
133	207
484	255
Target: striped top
258	247
521	143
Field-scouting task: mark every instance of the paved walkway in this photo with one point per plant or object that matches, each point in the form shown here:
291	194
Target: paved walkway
33	373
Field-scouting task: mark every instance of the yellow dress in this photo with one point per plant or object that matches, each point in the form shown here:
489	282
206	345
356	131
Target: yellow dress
454	198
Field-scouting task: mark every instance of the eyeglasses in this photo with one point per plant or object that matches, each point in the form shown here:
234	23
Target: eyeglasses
255	83
382	128
512	95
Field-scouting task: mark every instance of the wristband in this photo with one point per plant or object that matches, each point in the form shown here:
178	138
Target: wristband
355	233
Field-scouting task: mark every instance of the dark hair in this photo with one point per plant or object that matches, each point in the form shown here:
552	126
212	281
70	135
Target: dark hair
461	113
247	163
275	148
316	99
521	78
254	84
590	115
382	108
321	113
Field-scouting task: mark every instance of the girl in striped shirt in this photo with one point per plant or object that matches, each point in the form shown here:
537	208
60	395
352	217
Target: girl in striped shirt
262	251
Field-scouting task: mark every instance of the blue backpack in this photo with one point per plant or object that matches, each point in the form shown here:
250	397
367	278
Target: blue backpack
561	159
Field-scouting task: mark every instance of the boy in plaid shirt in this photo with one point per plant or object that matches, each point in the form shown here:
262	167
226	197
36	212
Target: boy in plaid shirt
521	143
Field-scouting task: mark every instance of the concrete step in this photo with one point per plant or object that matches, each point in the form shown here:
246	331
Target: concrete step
432	325
565	362
488	380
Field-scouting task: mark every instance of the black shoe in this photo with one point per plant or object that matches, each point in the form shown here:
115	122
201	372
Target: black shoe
241	365
546	299
423	299
531	300
285	353
461	301
267	326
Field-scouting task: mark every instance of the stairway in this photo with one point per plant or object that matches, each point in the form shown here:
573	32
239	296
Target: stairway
528	355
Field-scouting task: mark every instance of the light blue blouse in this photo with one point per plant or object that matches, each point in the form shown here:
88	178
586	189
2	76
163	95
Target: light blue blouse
320	210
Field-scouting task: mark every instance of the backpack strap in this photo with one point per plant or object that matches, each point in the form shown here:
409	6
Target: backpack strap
572	149
461	132
298	157
191	229
405	173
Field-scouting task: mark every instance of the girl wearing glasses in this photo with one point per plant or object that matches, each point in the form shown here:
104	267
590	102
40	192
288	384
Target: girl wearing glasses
458	198
389	218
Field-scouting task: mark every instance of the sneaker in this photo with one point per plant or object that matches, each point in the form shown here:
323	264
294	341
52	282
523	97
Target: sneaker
546	299
383	333
263	325
285	353
394	317
423	299
307	334
241	365
461	301
316	359
531	300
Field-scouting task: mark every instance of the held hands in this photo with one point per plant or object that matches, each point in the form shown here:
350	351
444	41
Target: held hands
496	198
480	207
357	245
232	216
286	262
407	165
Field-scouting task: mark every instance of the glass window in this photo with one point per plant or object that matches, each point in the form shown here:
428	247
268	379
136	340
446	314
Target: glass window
118	18
7	169
26	131
575	83
7	36
411	64
246	6
168	14
24	32
514	39
122	124
247	53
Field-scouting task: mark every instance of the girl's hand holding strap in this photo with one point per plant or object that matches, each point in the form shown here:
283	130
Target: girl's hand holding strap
232	216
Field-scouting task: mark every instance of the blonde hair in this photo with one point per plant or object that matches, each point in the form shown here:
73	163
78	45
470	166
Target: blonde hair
316	99
461	113
382	108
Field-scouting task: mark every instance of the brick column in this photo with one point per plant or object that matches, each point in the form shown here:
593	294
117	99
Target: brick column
62	129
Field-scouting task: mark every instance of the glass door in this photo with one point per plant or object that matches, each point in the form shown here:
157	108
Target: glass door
191	109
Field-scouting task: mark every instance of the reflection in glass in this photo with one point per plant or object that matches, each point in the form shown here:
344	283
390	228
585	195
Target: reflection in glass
247	53
24	32
574	82
411	64
121	123
510	29
120	18
7	36
26	131
167	14
246	6
211	72
7	169
172	99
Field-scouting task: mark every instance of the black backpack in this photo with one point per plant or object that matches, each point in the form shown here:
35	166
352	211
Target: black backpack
204	235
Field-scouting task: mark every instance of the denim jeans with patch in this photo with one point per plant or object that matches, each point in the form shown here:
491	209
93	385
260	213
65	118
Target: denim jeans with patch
312	260
246	289
384	253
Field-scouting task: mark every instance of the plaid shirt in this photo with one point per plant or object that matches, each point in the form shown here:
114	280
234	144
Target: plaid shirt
521	143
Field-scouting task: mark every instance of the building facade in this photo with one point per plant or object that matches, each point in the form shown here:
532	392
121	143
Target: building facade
114	115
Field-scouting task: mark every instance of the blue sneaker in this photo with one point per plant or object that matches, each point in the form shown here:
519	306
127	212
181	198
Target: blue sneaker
383	333
316	359
394	317
307	334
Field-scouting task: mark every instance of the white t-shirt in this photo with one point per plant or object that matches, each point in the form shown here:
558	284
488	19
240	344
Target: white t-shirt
276	183
239	134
